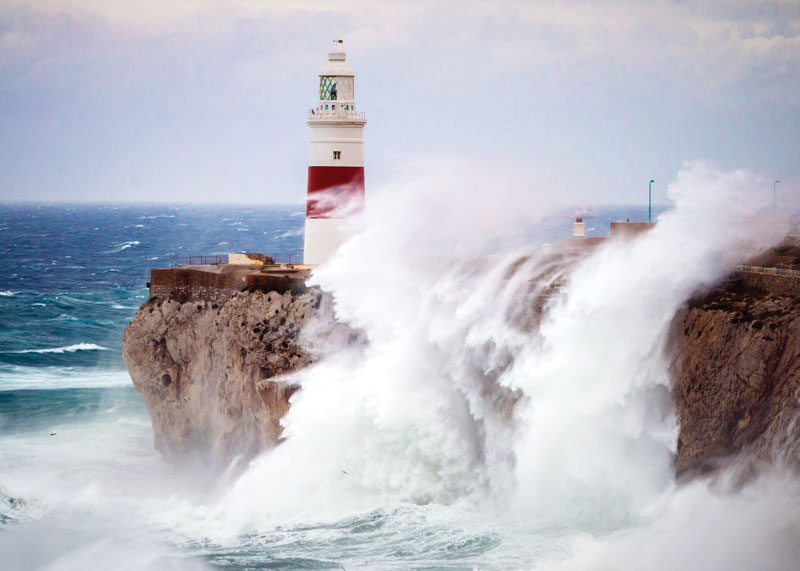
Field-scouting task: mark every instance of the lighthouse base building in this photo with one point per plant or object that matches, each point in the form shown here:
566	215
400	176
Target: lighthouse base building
335	161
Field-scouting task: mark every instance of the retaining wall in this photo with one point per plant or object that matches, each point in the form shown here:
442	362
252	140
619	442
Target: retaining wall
190	284
778	285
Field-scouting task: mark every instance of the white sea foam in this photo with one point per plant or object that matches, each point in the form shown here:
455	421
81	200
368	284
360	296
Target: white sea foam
7	293
86	484
67	349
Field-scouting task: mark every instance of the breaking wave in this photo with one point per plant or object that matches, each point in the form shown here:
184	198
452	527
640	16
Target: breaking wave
67	349
466	394
124	246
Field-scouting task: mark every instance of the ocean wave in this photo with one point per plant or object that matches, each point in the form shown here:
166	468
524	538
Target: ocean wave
125	246
20	377
290	233
7	293
67	349
70	301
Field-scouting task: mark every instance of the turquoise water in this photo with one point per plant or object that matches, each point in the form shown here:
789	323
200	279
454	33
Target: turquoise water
71	278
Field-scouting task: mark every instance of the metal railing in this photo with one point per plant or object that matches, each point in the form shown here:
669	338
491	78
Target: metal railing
774	271
278	258
286	258
336	113
198	260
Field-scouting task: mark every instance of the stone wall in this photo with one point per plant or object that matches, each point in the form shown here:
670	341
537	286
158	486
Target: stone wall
218	283
184	294
188	284
776	285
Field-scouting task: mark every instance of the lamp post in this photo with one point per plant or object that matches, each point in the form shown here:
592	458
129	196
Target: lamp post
650	202
774	184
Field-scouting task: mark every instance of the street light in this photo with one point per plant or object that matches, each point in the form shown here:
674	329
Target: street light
774	184
650	202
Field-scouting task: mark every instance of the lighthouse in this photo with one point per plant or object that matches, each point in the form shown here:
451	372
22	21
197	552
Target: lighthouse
335	160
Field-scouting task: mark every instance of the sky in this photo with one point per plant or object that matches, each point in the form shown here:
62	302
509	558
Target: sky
206	101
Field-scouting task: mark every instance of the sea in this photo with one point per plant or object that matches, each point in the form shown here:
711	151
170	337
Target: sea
395	458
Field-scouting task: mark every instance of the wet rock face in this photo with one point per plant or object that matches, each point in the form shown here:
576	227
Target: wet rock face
736	374
210	373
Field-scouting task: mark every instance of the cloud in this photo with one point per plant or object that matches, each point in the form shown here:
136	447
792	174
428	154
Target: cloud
200	95
714	44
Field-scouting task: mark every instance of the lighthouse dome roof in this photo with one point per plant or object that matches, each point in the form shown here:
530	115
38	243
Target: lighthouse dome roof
336	61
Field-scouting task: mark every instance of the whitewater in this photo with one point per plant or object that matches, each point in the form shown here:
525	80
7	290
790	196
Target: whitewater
471	432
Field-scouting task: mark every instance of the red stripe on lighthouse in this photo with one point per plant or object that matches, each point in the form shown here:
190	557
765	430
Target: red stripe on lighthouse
334	192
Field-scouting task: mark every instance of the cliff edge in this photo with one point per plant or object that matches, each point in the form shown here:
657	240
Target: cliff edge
736	377
209	373
213	373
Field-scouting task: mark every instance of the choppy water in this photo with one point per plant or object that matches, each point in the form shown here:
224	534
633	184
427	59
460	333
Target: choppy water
395	458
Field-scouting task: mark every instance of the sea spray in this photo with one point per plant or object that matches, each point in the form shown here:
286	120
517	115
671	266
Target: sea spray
453	401
598	433
700	526
421	414
389	423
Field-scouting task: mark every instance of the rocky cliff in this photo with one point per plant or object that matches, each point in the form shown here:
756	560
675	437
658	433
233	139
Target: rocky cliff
736	377
212	374
209	372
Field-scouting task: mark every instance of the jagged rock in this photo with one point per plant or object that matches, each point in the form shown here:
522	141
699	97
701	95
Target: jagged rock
736	375
210	373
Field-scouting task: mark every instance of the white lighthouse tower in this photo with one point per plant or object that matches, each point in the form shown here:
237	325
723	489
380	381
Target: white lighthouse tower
335	160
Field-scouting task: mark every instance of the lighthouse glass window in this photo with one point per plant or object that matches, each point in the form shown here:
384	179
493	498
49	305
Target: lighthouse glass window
327	88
